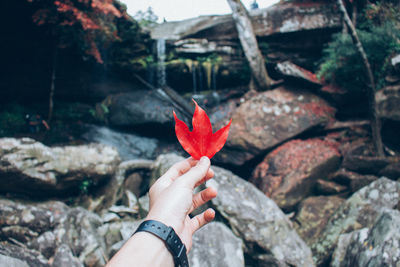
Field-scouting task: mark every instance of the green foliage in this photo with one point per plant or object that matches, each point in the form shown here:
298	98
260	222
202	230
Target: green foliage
146	18
343	66
12	120
85	185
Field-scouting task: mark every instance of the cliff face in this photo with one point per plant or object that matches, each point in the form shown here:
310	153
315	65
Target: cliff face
286	31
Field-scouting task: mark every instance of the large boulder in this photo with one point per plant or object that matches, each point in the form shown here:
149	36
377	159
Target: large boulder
258	221
139	108
289	173
359	211
377	246
269	118
32	168
388	102
216	245
129	146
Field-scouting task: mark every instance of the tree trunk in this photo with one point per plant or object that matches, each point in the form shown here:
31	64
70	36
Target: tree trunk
52	84
249	44
375	120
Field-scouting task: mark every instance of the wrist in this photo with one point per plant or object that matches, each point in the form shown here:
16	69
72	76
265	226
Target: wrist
172	241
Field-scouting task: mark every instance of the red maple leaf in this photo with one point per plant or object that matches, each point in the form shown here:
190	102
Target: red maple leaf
201	141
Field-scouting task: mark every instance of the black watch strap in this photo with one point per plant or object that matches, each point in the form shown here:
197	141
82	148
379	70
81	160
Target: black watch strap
171	239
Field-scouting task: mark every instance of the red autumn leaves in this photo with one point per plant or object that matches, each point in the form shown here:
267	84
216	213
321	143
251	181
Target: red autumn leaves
201	141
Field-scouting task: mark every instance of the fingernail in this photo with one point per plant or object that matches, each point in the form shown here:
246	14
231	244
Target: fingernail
204	160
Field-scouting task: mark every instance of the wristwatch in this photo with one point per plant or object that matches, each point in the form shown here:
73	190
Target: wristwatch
171	239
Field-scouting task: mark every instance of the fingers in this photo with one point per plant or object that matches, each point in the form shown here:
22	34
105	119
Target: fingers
197	173
178	169
203	197
202	219
209	175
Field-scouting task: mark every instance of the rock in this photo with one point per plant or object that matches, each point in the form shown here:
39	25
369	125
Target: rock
54	224
45	244
258	221
324	187
388	102
270	118
133	183
354	180
360	159
359	211
216	245
377	246
313	215
391	171
129	146
277	19
64	258
10	261
21	256
140	108
32	168
289	173
293	73
115	234
108	194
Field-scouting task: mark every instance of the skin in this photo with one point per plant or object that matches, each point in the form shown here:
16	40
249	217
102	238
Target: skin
171	201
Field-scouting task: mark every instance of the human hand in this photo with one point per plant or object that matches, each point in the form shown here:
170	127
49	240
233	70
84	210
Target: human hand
172	198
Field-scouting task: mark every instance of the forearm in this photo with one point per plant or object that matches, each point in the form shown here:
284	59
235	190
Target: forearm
143	250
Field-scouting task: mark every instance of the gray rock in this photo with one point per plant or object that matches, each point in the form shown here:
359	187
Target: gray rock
64	258
53	224
140	108
216	245
45	244
129	146
378	246
32	168
359	211
10	261
79	230
19	254
258	221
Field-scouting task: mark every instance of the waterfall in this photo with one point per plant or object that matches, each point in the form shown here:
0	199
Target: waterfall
161	74
194	75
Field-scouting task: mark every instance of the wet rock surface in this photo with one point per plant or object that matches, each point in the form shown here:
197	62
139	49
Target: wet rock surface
32	168
289	173
270	118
